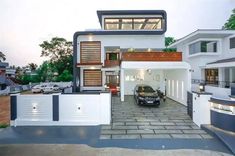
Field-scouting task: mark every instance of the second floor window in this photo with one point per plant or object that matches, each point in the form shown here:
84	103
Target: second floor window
232	42
150	23
203	47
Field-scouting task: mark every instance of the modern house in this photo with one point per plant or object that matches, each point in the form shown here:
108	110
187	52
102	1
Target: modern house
5	75
126	51
211	54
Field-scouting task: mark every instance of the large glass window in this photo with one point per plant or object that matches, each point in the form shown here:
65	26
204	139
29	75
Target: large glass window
203	47
153	23
112	53
211	76
112	78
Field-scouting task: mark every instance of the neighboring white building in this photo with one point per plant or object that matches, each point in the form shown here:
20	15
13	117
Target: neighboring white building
128	51
211	54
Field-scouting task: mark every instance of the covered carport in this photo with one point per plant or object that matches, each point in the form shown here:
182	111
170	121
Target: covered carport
174	78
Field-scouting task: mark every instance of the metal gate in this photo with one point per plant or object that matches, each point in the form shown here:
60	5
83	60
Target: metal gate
190	104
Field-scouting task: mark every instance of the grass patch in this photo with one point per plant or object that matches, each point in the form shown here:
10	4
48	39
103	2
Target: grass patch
3	125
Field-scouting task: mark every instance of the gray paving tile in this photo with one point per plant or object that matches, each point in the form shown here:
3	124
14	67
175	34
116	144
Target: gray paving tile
125	127
206	136
105	131
137	123
118	123
178	127
139	131
154	136
169	131
106	127
151	127
162	123
128	136
194	131
185	124
186	136
105	136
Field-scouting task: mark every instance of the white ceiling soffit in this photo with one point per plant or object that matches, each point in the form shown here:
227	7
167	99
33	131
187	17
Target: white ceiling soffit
154	65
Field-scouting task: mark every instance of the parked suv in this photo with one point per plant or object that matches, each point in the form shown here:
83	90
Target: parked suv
145	95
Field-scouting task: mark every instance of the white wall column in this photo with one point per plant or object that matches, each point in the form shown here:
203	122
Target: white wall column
122	79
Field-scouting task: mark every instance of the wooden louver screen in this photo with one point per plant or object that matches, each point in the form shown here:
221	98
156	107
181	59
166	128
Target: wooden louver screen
90	51
92	78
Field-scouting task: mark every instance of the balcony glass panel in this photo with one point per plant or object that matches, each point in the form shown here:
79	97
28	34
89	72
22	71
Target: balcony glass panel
147	23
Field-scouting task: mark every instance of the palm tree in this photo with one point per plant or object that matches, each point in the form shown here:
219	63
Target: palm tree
32	66
2	56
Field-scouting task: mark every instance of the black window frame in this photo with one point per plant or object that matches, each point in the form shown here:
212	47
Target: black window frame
232	45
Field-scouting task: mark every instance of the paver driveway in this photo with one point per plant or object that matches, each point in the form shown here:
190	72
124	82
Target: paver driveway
130	121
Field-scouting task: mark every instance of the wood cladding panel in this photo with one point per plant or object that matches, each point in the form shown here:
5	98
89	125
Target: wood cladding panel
90	52
152	56
92	77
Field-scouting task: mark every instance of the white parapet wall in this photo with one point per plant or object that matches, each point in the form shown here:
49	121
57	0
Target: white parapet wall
61	109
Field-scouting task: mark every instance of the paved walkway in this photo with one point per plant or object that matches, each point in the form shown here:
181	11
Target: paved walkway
84	150
170	120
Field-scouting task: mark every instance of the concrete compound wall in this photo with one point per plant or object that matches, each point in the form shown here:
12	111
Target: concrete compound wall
61	109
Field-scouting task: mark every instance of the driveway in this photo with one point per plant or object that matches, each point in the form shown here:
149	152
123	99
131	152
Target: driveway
170	120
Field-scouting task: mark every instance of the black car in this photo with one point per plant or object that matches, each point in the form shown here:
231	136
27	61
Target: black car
145	95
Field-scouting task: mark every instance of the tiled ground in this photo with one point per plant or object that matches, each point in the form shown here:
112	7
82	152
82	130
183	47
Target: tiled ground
130	121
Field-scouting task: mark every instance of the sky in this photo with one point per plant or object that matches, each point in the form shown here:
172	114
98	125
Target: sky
24	24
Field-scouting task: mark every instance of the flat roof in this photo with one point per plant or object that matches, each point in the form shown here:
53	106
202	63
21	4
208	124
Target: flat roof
100	13
223	61
203	33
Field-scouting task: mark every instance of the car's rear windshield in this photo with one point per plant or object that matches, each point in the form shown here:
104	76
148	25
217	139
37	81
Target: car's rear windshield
145	89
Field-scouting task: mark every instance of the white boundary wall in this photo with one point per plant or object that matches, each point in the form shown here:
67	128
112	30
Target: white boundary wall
72	109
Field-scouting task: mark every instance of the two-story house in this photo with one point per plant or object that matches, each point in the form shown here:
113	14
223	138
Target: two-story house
128	51
211	54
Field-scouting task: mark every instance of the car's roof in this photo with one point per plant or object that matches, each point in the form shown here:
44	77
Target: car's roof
142	85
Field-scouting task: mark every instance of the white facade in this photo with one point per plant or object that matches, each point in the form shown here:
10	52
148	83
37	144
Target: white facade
123	41
200	61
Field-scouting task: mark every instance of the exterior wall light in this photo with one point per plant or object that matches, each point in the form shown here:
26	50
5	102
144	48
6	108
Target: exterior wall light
202	87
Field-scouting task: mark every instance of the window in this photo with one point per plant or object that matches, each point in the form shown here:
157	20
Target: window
232	42
92	78
203	47
211	76
112	53
112	78
151	23
90	51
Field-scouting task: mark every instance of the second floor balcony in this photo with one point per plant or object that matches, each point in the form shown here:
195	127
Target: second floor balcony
152	56
144	56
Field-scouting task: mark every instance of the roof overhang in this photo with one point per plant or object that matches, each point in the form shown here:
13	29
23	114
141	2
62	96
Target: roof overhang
229	62
101	13
111	69
203	33
220	65
154	65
